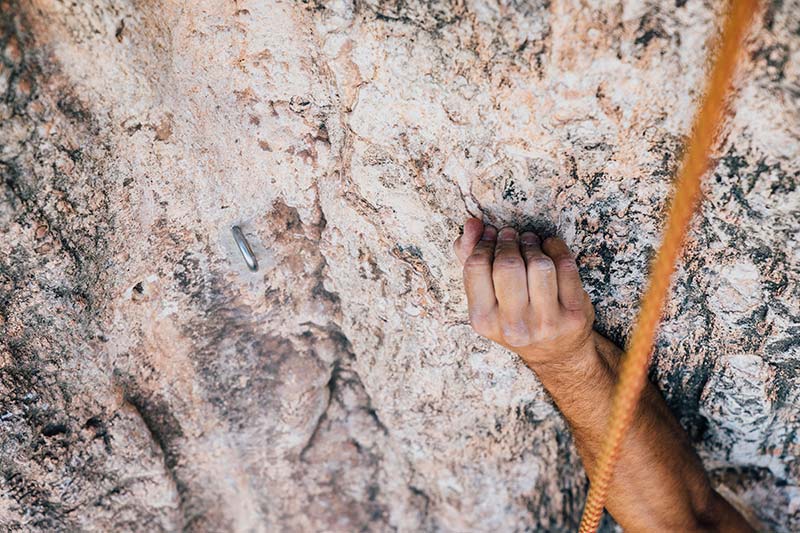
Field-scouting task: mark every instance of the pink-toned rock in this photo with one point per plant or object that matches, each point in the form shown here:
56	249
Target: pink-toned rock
151	381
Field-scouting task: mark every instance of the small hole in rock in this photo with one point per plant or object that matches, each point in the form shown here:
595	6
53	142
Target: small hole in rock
54	429
137	291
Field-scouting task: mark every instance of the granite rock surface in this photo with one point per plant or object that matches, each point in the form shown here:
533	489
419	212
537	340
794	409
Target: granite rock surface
150	382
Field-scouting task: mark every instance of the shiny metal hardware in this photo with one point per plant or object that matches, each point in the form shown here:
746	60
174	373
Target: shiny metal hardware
244	247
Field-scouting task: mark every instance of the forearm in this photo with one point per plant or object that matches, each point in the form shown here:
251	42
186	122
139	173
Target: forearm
659	482
527	295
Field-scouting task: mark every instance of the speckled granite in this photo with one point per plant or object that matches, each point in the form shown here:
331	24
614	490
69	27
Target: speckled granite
149	381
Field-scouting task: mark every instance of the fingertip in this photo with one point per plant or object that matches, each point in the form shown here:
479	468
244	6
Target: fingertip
489	233
529	238
473	228
465	243
554	246
507	234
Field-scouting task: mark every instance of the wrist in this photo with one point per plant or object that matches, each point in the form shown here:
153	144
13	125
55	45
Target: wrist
566	358
581	368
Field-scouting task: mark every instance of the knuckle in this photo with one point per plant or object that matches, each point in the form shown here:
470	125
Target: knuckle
481	323
579	301
477	260
508	262
579	321
541	263
545	330
516	334
566	263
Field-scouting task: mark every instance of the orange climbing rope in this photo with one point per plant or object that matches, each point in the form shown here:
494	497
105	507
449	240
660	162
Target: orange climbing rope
633	369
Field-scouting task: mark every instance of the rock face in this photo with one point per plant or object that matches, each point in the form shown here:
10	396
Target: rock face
150	382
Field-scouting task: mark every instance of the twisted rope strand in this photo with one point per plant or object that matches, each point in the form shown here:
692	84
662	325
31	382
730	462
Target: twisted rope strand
633	371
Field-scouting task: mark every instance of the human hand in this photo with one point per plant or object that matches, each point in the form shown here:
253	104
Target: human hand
525	294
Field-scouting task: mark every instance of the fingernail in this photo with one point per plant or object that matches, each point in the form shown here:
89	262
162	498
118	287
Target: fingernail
507	234
529	238
489	233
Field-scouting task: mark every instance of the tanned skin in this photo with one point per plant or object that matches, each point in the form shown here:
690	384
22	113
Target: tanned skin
527	296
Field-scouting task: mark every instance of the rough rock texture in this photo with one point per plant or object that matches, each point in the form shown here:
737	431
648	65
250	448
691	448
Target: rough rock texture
150	382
